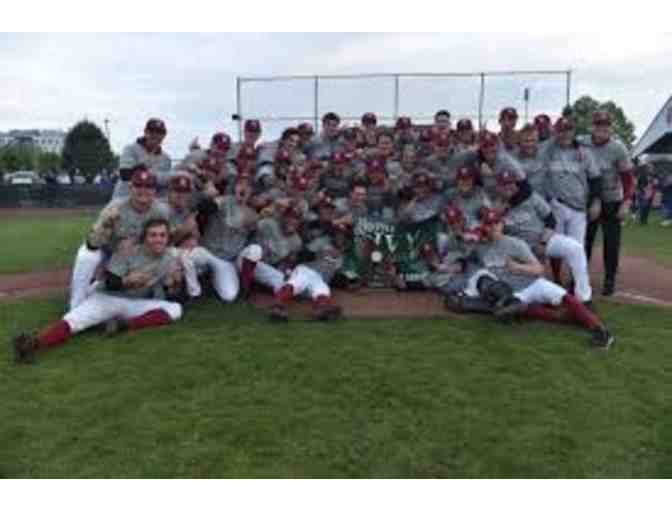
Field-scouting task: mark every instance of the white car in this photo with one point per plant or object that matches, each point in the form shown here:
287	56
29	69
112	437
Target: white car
23	178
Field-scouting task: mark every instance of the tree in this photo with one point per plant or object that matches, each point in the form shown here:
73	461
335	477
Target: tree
19	156
87	149
48	161
582	113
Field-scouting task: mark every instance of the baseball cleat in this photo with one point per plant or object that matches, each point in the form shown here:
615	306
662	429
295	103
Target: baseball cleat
24	346
115	326
326	311
453	302
608	288
513	309
279	313
602	339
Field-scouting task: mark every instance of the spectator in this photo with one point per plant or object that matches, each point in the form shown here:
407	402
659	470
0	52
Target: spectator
645	191
667	200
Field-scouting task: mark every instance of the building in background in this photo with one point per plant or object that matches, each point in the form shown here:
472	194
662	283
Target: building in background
47	140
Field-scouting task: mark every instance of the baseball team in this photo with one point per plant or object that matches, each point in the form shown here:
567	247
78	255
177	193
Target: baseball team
490	209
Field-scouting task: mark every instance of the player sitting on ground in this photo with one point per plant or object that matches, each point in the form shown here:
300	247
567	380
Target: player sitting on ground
510	283
135	290
118	226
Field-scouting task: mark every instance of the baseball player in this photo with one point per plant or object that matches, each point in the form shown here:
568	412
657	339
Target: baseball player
251	137
227	224
573	182
532	159
530	218
508	118
118	226
328	141
218	156
466	136
369	126
404	133
442	122
615	165
511	281
307	137
381	200
443	159
135	291
544	128
337	180
145	151
281	153
468	197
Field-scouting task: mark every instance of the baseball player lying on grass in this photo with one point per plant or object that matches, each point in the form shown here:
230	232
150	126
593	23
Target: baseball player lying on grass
510	284
136	293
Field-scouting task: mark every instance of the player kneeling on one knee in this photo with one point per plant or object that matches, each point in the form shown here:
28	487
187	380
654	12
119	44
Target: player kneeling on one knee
511	282
135	294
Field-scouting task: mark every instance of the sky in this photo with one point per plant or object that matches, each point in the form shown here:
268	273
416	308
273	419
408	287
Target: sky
50	81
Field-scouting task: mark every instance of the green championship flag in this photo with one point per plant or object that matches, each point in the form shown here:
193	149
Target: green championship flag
386	254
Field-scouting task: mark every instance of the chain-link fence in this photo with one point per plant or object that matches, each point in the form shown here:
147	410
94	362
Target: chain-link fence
281	101
44	195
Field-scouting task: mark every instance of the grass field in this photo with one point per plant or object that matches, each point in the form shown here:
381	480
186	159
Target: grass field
41	243
225	394
33	244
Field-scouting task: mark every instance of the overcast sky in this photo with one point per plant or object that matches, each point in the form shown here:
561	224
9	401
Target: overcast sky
189	80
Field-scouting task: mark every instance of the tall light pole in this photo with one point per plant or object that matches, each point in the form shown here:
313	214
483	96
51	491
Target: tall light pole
107	128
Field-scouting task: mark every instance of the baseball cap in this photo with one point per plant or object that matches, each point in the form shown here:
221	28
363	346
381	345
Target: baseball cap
180	183
490	217
508	112
143	177
156	125
506	177
369	119
403	123
465	125
338	158
306	128
542	120
601	118
464	173
452	214
375	166
221	141
253	126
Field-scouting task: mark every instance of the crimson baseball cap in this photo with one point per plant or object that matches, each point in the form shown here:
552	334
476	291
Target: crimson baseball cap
143	177
452	214
506	177
542	120
403	123
338	158
465	125
180	183
375	166
306	128
369	119
221	141
252	126
464	173
490	217
156	126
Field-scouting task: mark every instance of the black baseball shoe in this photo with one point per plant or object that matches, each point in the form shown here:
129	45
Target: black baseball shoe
115	326
24	346
511	310
601	338
453	302
278	313
326	311
609	287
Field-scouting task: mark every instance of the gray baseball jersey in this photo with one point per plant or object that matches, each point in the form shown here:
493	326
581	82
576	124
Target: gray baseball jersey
526	220
493	257
535	169
122	265
136	154
277	246
608	157
228	230
567	173
119	221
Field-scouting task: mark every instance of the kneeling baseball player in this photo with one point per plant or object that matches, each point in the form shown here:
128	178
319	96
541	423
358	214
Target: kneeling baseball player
135	294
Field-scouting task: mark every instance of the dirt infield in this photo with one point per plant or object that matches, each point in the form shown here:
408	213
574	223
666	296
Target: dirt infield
641	281
39	212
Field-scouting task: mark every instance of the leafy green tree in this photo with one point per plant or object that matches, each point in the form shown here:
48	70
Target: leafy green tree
19	156
87	149
582	113
48	160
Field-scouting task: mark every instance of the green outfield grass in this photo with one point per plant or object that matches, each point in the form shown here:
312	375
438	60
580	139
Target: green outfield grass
33	244
41	243
226	394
